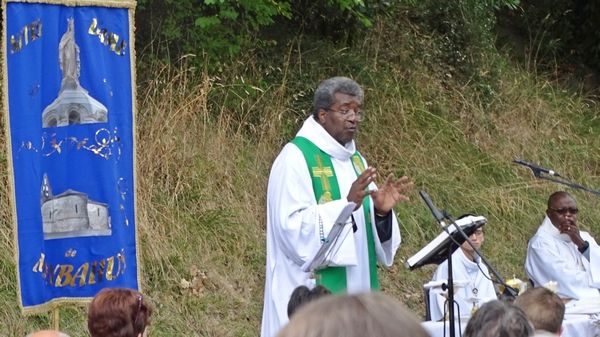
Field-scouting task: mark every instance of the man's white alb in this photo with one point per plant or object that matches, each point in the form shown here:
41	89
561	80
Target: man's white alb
551	256
293	218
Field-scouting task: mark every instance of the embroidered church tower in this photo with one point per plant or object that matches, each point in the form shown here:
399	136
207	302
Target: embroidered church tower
73	105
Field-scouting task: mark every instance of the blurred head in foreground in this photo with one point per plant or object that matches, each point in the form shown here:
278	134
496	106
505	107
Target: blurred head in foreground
497	318
369	314
47	333
544	309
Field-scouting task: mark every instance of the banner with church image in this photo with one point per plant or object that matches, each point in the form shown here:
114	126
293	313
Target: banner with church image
69	93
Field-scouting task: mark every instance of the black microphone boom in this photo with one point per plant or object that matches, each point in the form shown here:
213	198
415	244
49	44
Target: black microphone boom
439	217
537	169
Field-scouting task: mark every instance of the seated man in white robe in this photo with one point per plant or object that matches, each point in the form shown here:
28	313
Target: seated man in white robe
560	252
468	269
314	177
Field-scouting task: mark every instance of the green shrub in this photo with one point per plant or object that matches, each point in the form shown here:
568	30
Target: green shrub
567	31
221	29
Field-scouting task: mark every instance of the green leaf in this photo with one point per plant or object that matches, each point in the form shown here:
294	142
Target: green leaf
365	22
228	14
207	21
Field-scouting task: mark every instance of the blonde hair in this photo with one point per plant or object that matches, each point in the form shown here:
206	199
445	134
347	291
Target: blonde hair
370	314
544	308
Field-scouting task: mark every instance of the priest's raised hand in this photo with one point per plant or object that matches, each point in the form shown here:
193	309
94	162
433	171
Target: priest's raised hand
391	193
386	197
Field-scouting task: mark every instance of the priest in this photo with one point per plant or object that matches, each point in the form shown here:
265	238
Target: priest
476	288
312	180
561	252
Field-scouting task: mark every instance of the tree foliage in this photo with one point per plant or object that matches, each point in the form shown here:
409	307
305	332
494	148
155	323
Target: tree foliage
222	28
464	39
215	27
566	30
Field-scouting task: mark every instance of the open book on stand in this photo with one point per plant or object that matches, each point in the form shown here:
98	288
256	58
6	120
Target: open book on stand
436	251
333	241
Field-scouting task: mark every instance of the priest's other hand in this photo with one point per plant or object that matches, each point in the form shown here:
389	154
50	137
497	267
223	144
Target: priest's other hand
392	192
358	190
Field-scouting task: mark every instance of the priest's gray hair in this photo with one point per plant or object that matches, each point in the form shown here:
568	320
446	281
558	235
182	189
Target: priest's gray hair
497	318
324	95
368	314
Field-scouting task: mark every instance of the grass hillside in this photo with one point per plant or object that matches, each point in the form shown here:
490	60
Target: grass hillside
206	141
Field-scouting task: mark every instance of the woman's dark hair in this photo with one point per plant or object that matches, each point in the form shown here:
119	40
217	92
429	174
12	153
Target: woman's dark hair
302	295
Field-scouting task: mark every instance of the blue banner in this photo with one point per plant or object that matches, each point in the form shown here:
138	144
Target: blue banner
69	85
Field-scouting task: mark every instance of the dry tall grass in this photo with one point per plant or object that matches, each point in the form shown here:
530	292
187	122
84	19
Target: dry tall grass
200	190
205	145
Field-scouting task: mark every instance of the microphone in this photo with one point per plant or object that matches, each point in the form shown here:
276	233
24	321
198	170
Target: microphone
436	212
537	169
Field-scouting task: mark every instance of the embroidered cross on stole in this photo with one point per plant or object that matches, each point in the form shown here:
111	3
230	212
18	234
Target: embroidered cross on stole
326	188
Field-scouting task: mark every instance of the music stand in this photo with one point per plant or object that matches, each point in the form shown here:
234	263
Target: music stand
452	243
436	251
442	248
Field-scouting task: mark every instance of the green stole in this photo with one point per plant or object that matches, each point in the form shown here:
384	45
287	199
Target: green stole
326	188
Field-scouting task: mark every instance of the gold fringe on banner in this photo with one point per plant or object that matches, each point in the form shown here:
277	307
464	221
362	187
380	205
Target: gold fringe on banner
134	112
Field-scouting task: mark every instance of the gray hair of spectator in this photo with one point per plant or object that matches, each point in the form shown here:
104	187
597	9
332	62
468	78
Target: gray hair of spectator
544	308
369	314
498	319
324	95
46	332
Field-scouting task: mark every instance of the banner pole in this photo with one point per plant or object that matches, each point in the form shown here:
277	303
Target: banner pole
56	318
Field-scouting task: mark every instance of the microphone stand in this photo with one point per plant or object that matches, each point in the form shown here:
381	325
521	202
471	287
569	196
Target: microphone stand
451	315
538	174
450	285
